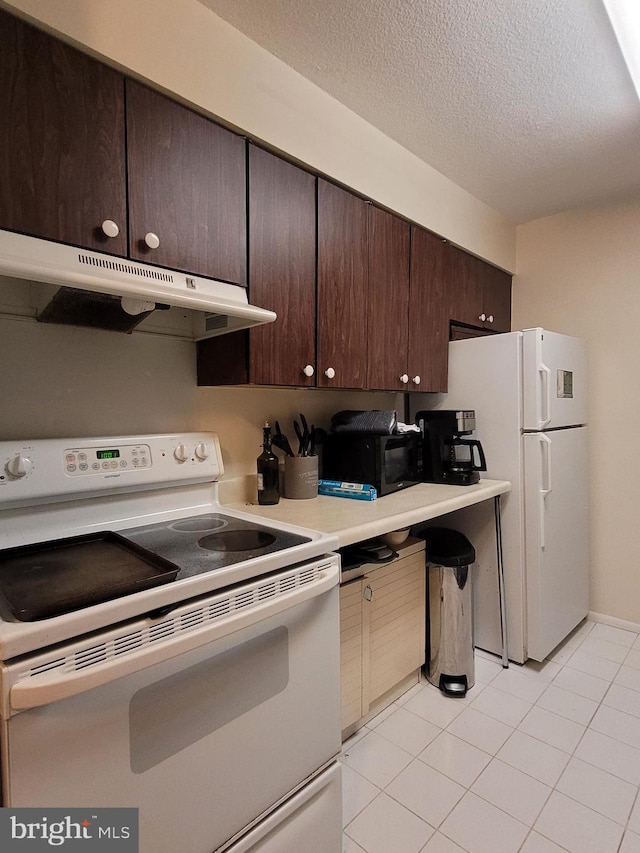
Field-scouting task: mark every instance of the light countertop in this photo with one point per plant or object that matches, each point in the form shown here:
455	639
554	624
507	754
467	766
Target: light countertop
355	520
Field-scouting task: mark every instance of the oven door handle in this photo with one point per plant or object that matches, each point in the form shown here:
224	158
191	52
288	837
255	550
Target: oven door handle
43	690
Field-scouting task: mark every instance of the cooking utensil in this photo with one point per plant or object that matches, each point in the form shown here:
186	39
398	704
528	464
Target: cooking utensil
281	441
318	436
305	430
301	440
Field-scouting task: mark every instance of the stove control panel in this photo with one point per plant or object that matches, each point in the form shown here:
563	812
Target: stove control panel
46	470
95	460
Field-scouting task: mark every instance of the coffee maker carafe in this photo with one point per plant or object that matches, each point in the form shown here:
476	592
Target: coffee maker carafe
447	456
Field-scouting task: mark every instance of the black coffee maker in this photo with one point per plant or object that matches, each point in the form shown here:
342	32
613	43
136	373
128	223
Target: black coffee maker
446	456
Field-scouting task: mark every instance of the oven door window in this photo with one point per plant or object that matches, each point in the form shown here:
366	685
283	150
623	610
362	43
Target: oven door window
243	678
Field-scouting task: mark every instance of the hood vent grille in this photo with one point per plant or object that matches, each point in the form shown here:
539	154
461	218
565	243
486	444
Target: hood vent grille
214	322
127	269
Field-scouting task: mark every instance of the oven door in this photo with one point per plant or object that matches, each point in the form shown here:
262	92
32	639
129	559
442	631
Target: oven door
203	727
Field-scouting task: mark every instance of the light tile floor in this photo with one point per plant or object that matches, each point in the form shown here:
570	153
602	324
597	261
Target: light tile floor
541	758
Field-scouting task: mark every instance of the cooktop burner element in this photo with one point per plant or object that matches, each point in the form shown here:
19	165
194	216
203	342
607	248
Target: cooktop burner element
237	540
199	524
231	540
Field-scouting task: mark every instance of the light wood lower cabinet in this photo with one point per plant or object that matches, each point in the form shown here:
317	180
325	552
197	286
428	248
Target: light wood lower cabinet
382	629
351	646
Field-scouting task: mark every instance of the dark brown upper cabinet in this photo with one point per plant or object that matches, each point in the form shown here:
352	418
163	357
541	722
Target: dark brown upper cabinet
388	301
187	188
65	171
282	270
496	299
408	322
282	258
480	293
342	288
62	144
428	315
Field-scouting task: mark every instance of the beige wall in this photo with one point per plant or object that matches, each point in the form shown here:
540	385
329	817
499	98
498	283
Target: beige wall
60	381
188	51
579	273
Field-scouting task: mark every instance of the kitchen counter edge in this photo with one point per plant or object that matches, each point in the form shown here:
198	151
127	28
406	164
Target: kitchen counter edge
354	520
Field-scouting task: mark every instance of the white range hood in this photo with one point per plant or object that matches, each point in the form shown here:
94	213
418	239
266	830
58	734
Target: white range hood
139	288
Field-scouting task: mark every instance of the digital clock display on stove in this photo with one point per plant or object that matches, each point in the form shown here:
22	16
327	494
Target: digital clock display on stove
107	454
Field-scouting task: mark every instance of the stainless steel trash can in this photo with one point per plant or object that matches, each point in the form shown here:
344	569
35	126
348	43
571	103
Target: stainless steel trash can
449	661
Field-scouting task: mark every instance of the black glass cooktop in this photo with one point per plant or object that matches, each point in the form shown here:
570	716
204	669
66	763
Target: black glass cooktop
51	578
202	543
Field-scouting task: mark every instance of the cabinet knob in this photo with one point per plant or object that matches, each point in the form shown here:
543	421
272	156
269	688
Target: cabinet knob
329	373
404	378
110	228
368	593
482	317
152	240
416	380
308	370
490	318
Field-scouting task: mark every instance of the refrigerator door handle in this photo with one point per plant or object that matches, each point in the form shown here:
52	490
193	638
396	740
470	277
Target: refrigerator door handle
545	480
545	395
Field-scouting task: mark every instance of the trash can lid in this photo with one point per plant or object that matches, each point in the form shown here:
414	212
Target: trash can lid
447	547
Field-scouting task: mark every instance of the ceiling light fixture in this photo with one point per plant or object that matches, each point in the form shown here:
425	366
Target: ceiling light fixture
625	19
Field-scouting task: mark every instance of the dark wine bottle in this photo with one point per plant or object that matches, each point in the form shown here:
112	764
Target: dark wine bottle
268	475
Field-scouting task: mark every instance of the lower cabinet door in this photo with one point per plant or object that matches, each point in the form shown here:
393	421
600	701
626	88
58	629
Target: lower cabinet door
351	649
382	632
396	623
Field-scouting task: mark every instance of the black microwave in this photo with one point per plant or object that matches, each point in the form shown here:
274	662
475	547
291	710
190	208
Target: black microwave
388	462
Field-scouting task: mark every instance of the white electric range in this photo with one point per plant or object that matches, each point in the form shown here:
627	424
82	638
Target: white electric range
192	651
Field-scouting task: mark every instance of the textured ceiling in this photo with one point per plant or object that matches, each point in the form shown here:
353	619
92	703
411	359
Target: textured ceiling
526	104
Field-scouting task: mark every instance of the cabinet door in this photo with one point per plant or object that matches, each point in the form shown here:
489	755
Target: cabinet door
62	162
497	299
351	651
396	623
187	185
282	269
428	317
480	293
342	288
388	301
466	294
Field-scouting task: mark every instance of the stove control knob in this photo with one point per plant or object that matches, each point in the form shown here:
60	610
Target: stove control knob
202	451
19	466
181	453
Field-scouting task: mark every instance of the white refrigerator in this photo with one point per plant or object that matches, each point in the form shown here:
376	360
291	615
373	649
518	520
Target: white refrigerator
529	392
